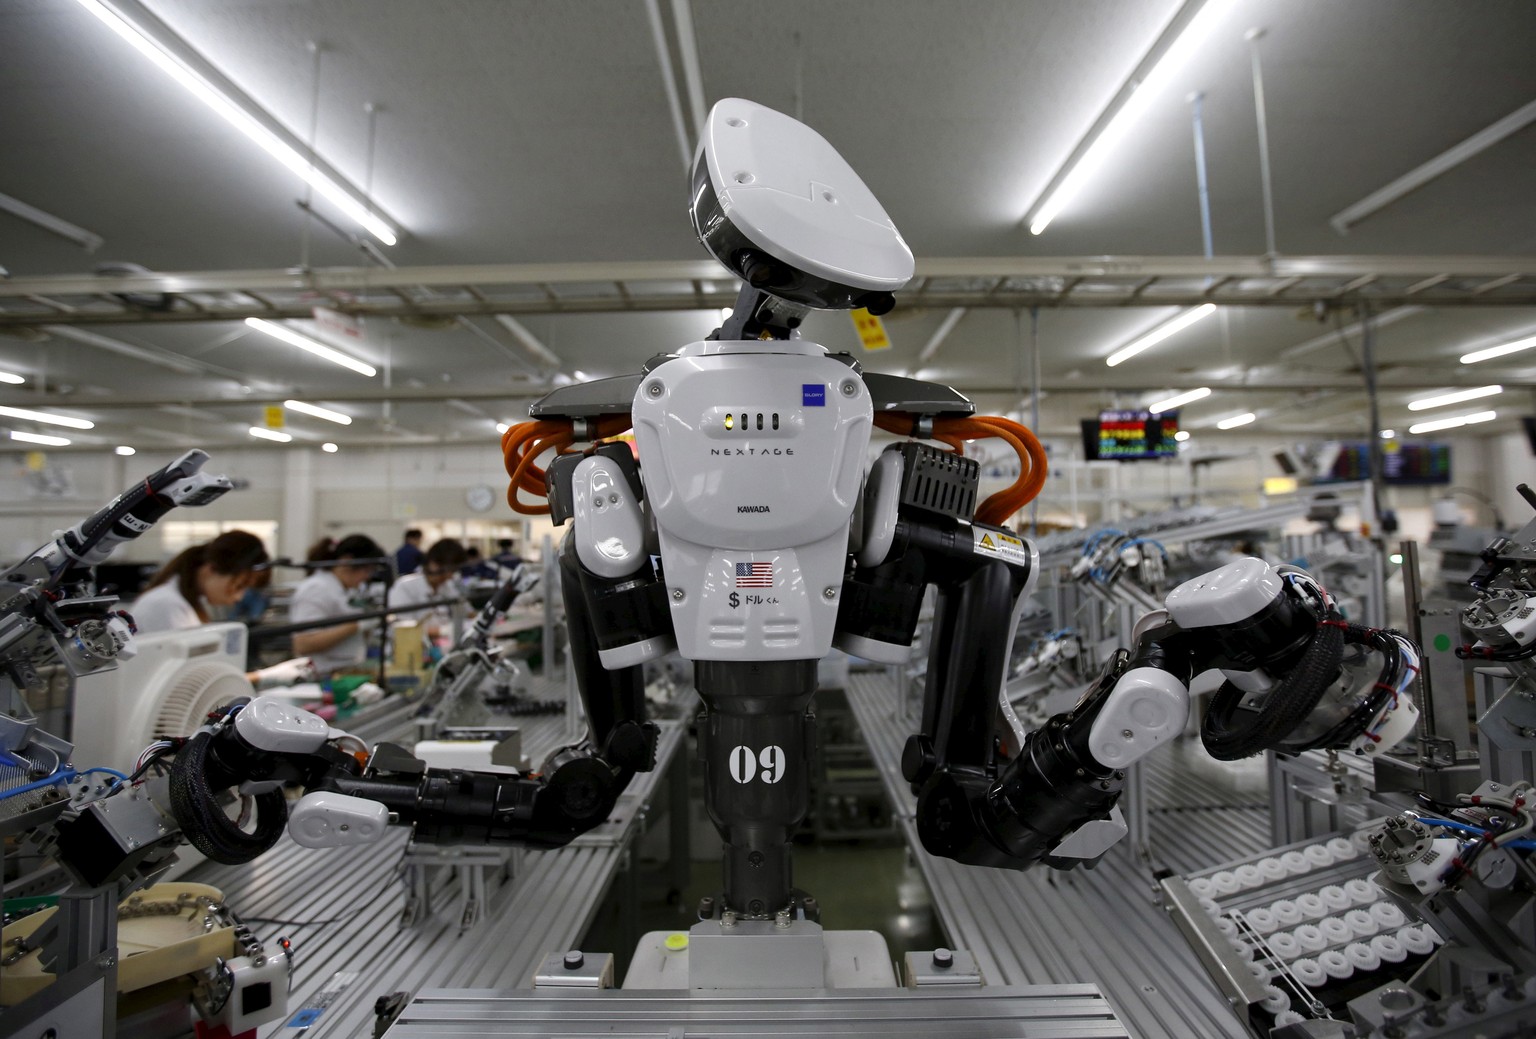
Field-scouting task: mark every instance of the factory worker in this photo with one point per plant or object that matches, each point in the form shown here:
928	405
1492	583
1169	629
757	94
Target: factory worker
204	577
434	582
328	593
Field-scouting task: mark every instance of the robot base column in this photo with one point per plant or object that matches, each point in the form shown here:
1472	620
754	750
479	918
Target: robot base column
756	742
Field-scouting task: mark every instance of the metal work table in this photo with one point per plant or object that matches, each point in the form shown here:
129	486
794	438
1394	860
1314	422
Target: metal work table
1101	926
342	907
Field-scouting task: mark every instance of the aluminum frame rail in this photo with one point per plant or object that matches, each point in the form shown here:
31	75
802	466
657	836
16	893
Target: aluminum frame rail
1041	927
1045	1012
599	287
346	958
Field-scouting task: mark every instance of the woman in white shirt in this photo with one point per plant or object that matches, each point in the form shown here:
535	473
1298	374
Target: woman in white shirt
432	583
212	575
327	593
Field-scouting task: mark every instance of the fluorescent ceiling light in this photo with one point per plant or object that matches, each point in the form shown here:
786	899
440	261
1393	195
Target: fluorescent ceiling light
157	50
1237	420
1178	400
1491	352
580	376
313	346
318	412
1181	436
124	450
1458	397
39	438
12	378
52	420
502	427
726	312
1450	423
270	434
329	448
1172	326
1189	27
1387	434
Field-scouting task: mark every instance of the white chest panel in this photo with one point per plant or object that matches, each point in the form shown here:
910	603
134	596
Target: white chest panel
752	458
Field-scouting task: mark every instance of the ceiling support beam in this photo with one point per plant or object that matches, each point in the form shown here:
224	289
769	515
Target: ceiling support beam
1334	338
87	240
937	339
1446	161
669	80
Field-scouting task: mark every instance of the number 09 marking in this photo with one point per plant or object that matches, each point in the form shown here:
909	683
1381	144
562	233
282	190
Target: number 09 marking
744	764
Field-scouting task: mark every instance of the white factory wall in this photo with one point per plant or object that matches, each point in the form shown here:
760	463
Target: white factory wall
306	493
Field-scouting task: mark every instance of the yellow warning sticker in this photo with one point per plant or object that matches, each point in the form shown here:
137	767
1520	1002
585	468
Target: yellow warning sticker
274	416
871	330
1001	544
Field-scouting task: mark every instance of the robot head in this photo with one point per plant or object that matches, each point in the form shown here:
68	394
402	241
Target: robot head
778	206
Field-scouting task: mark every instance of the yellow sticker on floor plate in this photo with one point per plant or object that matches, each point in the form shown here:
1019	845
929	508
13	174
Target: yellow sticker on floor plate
1001	544
871	330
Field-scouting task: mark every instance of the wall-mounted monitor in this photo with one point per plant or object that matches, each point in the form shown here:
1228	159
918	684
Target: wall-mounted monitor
1130	436
1402	464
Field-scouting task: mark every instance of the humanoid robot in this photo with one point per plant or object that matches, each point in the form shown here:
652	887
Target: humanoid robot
752	535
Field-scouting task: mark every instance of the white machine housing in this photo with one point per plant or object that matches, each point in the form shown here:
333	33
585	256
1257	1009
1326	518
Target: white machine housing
173	681
753	522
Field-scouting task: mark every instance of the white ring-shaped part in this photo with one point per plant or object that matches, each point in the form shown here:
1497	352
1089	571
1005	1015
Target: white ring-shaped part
1288	1017
1335	965
1362	956
1318	856
1295	862
1243	949
1335	898
1275	999
1361	839
1226	926
1259	971
1272	868
1261	920
1360	890
1201	887
1311	938
1309	973
1336	931
1311	905
1249	875
1225	883
1284	945
1389	948
1361	922
1343	849
1432	934
1210	907
1387	916
1287	913
1416	941
882	497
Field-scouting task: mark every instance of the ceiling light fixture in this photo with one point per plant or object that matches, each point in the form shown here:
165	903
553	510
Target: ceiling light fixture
329	448
52	420
1237	420
502	427
1457	397
39	438
1452	423
270	434
1181	436
1183	35
1178	400
1172	326
154	41
124	450
12	378
1387	434
1491	352
309	345
318	412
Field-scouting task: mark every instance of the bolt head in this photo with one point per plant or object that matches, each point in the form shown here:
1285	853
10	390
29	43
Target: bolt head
849	388
829	592
654	390
574	959
943	957
677	595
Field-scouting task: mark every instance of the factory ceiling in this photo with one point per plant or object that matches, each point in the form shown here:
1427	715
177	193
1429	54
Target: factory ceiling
523	133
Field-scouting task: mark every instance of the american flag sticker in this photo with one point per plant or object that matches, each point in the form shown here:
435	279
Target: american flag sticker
754	575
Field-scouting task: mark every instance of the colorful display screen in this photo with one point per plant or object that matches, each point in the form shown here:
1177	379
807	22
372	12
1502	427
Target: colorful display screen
1408	464
1134	435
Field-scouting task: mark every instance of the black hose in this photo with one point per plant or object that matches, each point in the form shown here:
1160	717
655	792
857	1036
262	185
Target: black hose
203	822
1284	708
